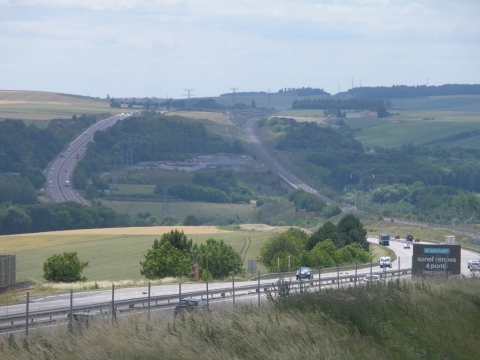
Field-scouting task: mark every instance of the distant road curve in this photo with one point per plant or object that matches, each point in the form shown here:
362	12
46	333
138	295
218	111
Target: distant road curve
285	174
61	169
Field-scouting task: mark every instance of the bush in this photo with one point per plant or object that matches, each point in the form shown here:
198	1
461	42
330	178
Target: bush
64	267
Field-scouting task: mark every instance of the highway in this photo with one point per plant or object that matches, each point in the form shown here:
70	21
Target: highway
46	303
62	167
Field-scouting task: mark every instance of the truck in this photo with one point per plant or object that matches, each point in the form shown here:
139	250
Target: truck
384	239
67	183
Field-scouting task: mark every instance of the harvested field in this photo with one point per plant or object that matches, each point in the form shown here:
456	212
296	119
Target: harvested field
216	117
44	106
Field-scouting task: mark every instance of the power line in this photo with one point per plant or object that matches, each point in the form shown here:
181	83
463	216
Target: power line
189	93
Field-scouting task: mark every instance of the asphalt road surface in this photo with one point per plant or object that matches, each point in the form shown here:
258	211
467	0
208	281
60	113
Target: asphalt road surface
61	169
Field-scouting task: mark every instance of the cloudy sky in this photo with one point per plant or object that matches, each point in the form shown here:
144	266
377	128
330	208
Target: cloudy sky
161	47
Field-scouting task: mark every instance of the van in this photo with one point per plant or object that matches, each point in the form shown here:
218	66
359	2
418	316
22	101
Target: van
385	261
384	239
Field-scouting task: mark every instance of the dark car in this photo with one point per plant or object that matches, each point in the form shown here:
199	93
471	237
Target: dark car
189	305
409	238
304	273
86	318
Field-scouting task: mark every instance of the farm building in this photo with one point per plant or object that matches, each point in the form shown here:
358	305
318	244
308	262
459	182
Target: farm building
361	114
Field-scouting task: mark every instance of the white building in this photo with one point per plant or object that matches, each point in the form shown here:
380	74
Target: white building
361	114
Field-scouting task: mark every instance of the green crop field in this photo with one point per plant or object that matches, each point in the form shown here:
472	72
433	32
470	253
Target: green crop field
458	102
181	209
116	257
417	127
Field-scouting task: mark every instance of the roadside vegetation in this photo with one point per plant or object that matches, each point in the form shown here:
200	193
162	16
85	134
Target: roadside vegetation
418	319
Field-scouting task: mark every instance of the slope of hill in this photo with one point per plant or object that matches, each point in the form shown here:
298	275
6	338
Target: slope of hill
40	105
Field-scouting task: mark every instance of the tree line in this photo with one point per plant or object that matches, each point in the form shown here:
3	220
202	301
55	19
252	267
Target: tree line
27	150
152	137
330	245
31	218
345	104
344	158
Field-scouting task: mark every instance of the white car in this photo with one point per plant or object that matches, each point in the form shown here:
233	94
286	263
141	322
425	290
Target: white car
406	246
473	263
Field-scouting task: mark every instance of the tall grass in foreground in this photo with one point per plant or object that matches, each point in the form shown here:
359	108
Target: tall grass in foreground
434	319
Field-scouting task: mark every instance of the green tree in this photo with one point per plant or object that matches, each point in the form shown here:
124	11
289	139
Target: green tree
15	220
64	267
292	242
323	254
166	260
351	231
171	256
218	259
190	220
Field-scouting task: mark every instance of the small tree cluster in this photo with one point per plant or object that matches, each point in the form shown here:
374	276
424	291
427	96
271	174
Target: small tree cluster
65	267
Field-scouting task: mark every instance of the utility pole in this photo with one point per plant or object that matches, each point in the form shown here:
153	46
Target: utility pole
189	93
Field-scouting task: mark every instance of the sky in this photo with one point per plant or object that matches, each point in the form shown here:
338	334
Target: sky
145	48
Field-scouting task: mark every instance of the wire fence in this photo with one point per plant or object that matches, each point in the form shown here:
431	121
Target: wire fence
30	313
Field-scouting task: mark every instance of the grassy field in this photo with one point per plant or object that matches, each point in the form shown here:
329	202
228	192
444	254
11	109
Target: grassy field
454	102
279	101
114	254
33	106
410	126
216	117
418	319
181	209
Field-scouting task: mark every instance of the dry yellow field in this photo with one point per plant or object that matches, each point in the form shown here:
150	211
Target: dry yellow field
42	106
216	117
12	243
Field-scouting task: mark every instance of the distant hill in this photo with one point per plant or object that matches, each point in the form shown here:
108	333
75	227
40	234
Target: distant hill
42	105
403	91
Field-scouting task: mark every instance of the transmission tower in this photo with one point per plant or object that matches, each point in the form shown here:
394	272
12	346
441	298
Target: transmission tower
189	93
234	100
361	181
165	199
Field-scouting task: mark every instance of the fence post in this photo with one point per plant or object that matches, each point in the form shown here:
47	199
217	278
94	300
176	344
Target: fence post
114	315
208	303
233	286
399	268
179	292
26	310
356	267
319	279
70	323
338	277
258	289
149	285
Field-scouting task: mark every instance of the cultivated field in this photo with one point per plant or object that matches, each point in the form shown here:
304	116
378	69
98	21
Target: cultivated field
417	127
114	254
216	117
32	106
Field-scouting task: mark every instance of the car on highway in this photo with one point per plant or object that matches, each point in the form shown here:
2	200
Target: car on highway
371	278
385	261
304	273
86	318
409	238
472	263
406	246
189	305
